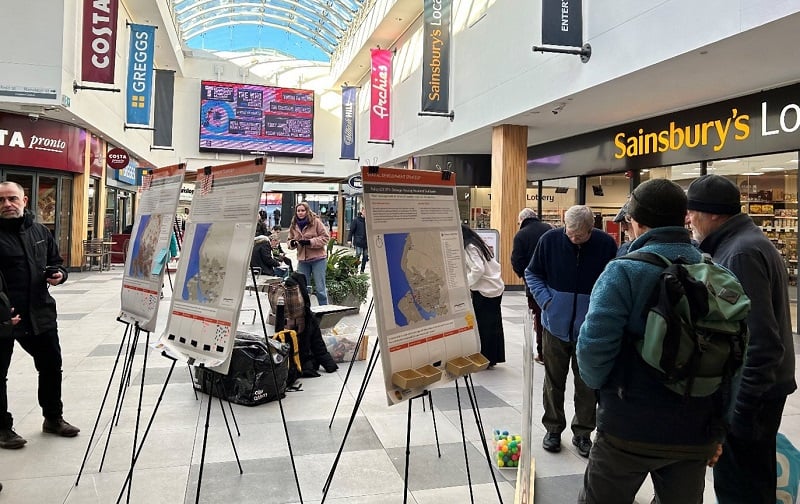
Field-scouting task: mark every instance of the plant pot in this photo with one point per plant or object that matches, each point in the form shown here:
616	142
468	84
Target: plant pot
348	300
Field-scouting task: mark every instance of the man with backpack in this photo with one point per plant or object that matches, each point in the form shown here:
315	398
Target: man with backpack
747	471
651	421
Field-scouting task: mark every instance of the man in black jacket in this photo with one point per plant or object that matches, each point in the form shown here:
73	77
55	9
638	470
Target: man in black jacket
525	241
30	263
358	237
746	471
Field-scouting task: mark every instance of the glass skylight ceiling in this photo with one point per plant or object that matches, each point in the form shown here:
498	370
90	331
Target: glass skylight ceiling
304	29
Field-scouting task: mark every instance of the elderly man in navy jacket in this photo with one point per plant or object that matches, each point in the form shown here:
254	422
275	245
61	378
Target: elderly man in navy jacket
561	274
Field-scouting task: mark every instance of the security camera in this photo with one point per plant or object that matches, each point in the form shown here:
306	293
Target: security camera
33	117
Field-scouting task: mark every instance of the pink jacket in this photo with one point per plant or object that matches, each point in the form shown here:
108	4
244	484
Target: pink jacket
317	233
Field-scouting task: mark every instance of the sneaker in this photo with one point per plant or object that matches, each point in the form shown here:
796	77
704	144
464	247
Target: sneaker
10	440
60	427
583	443
538	359
552	442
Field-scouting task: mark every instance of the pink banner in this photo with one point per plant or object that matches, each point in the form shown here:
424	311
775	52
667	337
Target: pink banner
99	41
380	101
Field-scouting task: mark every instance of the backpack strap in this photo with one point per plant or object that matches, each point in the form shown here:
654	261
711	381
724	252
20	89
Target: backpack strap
648	257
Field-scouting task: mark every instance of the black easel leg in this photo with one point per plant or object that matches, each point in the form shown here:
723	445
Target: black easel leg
191	378
139	408
203	453
464	442
435	430
227	425
230	406
353	358
408	451
373	359
147	430
473	399
122	343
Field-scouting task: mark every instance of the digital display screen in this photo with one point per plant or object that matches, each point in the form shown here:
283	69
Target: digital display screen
252	119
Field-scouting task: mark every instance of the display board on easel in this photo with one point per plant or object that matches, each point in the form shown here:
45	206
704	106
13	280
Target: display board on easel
426	323
209	283
148	251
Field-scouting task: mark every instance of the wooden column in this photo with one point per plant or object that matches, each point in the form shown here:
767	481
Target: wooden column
509	173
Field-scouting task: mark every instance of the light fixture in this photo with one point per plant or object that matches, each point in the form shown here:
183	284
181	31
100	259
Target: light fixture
752	174
728	161
771	168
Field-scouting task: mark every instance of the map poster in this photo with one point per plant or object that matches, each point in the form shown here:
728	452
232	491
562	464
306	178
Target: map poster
149	244
422	302
215	261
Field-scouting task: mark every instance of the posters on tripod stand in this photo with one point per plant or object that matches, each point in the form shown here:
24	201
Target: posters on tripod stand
215	261
422	302
148	248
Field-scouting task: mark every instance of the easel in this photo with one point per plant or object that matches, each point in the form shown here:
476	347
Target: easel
372	362
208	415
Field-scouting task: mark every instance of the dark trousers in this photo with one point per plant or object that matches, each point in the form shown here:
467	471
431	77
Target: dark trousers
46	353
537	320
747	469
490	326
363	253
614	476
558	355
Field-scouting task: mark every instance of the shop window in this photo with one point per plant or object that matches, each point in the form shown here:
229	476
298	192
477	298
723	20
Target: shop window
557	195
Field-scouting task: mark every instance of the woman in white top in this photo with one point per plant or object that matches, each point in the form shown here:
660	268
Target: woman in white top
483	275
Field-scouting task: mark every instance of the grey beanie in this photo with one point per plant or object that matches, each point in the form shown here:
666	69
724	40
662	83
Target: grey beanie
714	194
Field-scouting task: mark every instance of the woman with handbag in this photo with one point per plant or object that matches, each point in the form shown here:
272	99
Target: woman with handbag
309	236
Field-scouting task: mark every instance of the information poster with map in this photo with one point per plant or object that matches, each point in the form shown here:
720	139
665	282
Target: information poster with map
423	306
215	261
149	246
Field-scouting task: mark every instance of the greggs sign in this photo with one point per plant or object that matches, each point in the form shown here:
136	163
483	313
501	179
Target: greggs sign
99	40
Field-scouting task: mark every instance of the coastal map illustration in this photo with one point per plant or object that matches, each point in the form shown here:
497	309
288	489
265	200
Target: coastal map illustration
144	246
416	276
206	264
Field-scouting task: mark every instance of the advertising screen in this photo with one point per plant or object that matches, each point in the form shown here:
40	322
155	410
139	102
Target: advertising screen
248	118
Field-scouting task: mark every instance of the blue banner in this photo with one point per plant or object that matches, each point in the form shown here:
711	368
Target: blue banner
140	74
348	122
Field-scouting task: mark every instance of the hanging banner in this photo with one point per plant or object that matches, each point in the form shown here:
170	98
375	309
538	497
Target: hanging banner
348	150
162	111
436	57
140	74
380	99
215	260
98	52
148	249
562	23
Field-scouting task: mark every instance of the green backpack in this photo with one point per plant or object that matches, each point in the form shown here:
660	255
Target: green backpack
696	333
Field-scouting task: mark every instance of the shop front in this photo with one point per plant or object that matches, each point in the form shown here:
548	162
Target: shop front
752	140
45	158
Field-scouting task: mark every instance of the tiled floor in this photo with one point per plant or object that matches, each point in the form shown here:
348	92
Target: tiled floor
371	467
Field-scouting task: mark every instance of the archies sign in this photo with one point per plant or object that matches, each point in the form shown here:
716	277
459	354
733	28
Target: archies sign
99	40
380	99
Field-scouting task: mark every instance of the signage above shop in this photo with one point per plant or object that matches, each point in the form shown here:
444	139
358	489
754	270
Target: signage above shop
41	143
117	159
355	182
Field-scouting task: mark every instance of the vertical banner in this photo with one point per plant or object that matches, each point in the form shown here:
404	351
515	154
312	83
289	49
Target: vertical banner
425	319
140	74
162	109
215	260
148	250
99	34
436	57
380	94
348	150
562	23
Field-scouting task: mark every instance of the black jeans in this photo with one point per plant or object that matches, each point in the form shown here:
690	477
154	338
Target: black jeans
747	470
46	353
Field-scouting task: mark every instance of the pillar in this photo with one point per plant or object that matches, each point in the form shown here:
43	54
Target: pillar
509	174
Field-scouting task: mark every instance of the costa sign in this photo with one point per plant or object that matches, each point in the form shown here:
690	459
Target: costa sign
99	40
117	159
41	144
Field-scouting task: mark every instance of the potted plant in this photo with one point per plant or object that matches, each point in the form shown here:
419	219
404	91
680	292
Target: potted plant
346	286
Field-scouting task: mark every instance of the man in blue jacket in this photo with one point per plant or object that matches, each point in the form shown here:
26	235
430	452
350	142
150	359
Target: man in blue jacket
561	275
747	470
642	426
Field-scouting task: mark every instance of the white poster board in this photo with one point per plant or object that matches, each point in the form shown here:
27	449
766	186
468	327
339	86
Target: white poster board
215	261
492	239
148	249
422	302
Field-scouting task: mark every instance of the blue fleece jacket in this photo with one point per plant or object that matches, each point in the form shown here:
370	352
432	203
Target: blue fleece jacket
633	406
561	276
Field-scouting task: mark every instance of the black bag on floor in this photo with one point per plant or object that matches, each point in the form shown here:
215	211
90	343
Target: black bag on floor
250	380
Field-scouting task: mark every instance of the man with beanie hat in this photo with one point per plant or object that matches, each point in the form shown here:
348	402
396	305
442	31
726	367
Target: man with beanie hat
747	471
561	275
642	426
525	241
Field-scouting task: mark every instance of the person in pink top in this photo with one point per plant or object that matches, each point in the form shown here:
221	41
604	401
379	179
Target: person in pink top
310	237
